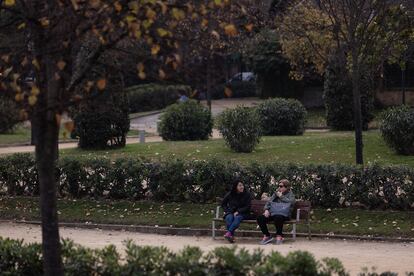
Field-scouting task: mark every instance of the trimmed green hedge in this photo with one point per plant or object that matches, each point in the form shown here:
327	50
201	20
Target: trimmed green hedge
148	97
202	181
17	258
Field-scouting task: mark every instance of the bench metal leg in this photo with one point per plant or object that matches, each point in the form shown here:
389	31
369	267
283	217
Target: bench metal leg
309	232
213	230
294	231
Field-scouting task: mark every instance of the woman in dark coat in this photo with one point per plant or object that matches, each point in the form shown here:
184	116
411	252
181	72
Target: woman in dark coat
236	206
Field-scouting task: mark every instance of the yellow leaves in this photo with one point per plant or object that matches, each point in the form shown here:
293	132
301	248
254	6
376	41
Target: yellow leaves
228	92
101	84
36	64
18	97
35	90
155	49
61	64
162	32
141	68
204	22
130	18
32	100
118	6
178	14
161	74
163	6
230	30
21	26
147	24
9	3
249	27
44	22
218	2
151	14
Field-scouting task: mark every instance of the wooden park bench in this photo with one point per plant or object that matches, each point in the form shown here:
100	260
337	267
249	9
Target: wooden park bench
300	215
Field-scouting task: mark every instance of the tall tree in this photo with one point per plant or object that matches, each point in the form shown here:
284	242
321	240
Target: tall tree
58	55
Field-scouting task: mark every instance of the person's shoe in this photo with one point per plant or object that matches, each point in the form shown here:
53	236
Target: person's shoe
266	240
229	237
279	240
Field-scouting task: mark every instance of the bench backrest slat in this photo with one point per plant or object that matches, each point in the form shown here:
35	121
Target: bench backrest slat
257	207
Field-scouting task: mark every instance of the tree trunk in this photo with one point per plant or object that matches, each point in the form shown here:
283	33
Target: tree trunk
403	84
357	109
47	131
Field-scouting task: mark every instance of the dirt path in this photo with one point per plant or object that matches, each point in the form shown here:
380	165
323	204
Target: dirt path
396	257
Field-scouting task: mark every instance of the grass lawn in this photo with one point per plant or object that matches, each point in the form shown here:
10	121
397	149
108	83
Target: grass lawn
338	221
313	147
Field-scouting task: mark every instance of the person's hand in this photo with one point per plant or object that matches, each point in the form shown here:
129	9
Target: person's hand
236	213
279	193
266	213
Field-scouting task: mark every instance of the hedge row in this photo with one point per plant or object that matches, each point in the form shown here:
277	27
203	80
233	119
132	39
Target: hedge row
148	97
202	181
17	258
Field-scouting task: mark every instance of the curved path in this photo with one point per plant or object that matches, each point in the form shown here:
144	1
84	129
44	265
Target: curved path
396	257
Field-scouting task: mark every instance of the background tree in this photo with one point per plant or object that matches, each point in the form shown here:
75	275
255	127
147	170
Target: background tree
363	32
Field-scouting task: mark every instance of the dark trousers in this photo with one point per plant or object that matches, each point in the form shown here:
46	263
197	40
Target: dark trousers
277	220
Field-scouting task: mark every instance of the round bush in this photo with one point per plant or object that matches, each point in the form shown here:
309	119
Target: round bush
9	115
185	121
240	128
282	117
397	129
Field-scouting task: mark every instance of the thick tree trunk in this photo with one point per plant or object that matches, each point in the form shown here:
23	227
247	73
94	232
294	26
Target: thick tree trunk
46	157
357	109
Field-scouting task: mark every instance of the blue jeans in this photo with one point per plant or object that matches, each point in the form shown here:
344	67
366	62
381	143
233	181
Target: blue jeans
233	222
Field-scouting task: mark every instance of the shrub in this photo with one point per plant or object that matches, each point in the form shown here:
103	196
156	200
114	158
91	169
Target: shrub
17	258
185	121
9	115
240	128
282	117
339	100
101	129
397	129
329	186
148	97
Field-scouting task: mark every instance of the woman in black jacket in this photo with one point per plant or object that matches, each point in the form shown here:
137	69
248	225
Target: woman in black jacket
236	206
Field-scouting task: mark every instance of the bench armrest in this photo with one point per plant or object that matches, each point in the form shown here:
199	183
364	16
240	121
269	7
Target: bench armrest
217	212
297	214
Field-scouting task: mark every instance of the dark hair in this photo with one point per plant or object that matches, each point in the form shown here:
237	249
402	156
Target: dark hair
234	186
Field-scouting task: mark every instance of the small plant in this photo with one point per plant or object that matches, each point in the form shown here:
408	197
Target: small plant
397	129
282	117
240	128
185	121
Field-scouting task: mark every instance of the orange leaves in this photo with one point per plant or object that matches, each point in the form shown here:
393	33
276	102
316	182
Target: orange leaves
118	6
230	30
249	27
141	68
9	3
61	64
178	14
151	14
44	21
19	97
101	84
162	32
155	49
